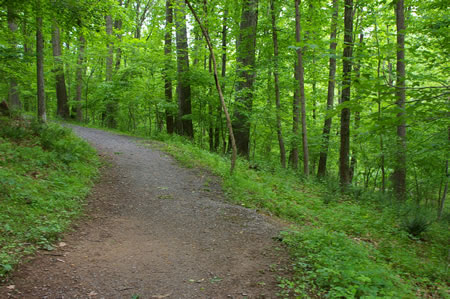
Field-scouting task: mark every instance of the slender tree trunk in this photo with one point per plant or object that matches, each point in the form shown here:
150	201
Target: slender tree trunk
399	174
61	91
246	45
219	89
444	195
111	106
79	75
293	156
322	168
354	159
13	92
276	84
168	65
219	128
383	175
344	169
118	27
301	88
184	87
42	114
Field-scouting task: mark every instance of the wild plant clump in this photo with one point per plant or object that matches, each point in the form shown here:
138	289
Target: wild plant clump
45	172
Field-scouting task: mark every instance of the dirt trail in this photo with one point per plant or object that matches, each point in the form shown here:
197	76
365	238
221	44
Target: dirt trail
155	230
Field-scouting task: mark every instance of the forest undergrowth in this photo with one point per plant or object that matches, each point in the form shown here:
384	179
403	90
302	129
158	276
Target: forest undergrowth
45	174
357	244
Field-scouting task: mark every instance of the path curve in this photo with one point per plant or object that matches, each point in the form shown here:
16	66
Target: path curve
155	230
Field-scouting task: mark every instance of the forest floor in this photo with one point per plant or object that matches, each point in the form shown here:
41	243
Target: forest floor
155	230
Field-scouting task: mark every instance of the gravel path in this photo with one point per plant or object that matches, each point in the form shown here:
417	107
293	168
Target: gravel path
155	230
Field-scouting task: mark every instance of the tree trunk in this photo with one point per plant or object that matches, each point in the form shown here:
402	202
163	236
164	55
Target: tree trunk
13	92
219	89
184	86
444	195
354	159
110	104
61	91
399	174
219	128
344	169
301	88
322	168
118	27
276	85
42	115
245	58
168	65
383	175
293	156
79	76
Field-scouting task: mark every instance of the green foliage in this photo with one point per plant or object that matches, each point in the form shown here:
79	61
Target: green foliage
339	266
416	221
45	173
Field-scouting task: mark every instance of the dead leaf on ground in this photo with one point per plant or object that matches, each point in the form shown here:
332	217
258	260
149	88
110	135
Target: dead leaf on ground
92	294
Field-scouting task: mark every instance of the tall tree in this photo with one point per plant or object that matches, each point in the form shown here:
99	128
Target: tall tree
118	27
274	14
61	91
300	86
167	65
399	175
344	168
141	14
246	45
219	129
42	114
79	73
330	93
110	104
184	121
13	92
354	159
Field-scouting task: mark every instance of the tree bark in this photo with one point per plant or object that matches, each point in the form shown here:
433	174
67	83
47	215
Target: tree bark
79	74
42	114
322	168
111	106
184	87
13	92
344	169
62	109
219	89
399	174
301	88
246	45
277	85
167	66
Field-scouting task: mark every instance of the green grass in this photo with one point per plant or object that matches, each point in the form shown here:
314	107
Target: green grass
45	174
351	246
